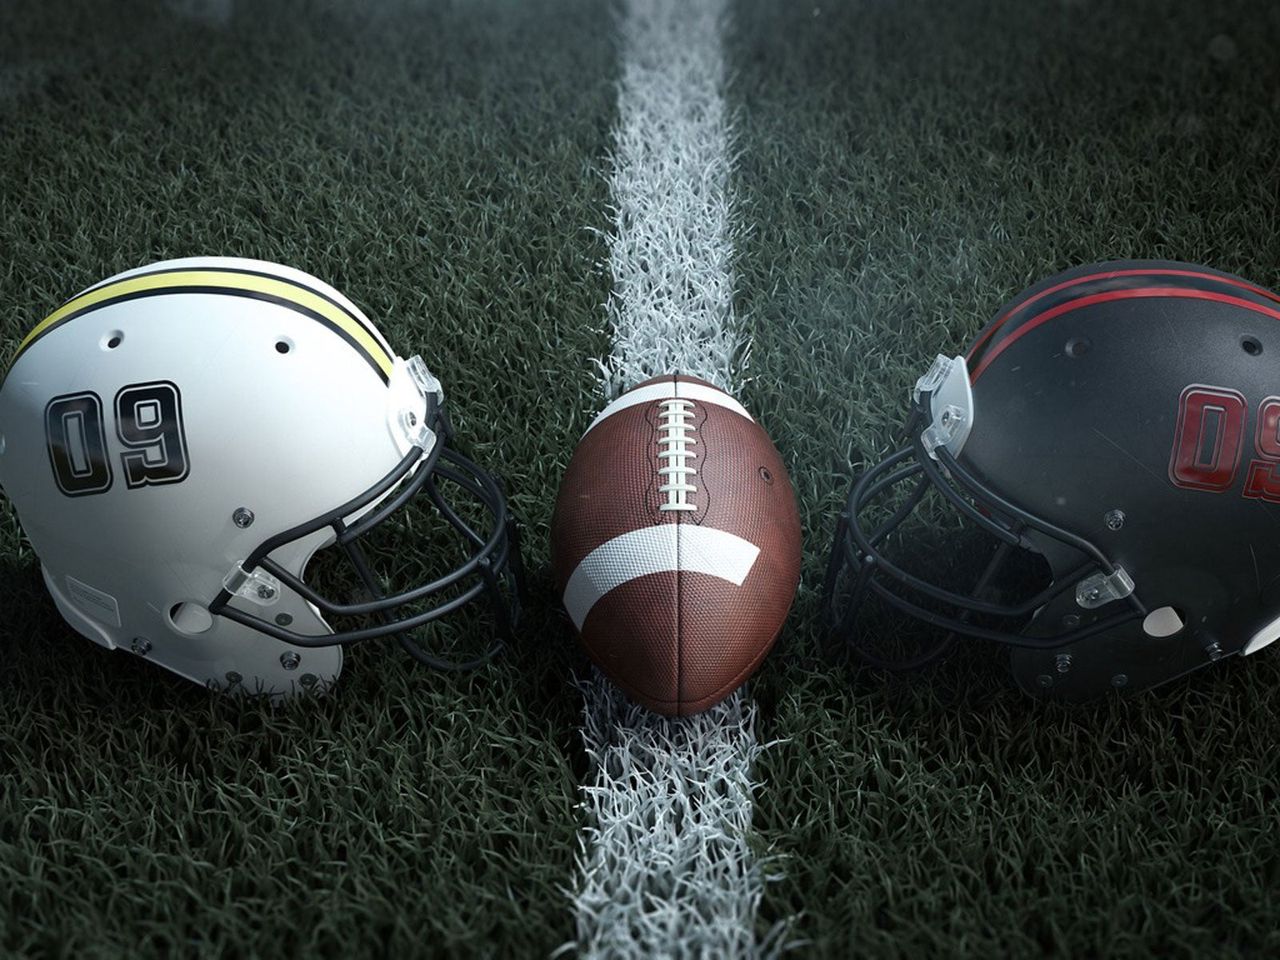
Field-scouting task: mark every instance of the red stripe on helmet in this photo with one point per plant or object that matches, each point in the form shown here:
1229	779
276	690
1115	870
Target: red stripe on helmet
995	325
1136	293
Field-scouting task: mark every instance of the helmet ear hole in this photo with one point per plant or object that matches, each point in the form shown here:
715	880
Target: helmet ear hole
1163	622
190	618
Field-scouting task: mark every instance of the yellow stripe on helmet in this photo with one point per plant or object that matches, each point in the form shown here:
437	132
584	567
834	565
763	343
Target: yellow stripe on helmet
232	281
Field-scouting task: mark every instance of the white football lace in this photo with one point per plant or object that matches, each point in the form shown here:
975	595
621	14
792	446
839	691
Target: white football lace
674	442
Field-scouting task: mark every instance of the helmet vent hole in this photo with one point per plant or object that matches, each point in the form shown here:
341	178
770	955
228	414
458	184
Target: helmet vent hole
1077	347
1251	345
112	339
1163	622
284	345
190	618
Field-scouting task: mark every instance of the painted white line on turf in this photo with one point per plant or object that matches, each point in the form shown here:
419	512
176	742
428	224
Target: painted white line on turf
665	867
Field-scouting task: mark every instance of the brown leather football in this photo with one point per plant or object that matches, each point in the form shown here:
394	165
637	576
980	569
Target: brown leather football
676	543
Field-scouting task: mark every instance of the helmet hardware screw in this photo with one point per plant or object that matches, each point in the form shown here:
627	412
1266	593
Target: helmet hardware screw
1045	681
1114	519
266	592
413	419
1062	662
233	678
290	660
242	518
1071	620
141	646
283	619
1214	650
308	679
1120	680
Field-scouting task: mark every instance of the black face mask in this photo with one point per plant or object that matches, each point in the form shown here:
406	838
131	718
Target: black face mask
942	414
493	568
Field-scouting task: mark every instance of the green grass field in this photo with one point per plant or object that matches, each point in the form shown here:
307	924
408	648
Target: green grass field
906	169
902	170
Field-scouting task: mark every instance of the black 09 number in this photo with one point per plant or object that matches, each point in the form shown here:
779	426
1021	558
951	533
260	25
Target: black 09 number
148	424
77	444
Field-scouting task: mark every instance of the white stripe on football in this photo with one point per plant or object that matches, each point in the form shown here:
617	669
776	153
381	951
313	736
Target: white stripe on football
667	547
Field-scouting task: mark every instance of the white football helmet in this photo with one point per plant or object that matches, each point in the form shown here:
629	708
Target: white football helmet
180	439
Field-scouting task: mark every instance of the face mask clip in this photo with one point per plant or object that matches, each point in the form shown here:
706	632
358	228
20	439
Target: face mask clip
1100	588
426	382
257	587
946	384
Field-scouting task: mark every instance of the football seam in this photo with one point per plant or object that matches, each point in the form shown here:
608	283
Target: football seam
679	604
681	702
715	696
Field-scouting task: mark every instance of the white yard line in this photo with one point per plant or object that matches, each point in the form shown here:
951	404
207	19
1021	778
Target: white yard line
665	867
672	246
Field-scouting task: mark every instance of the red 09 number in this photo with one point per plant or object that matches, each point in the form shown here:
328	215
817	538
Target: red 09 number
1209	441
1262	482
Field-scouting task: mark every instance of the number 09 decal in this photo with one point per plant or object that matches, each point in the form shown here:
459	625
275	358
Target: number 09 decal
1206	444
77	444
1209	441
148	423
1261	482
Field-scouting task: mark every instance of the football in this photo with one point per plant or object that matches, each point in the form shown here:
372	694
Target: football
676	544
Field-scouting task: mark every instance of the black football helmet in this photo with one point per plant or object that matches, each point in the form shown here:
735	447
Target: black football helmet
1122	422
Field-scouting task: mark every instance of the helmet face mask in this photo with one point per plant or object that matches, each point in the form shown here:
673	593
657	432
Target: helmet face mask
942	416
1064	433
492	572
181	439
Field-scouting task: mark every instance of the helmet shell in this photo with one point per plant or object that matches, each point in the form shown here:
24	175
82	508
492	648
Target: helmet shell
234	399
1127	402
